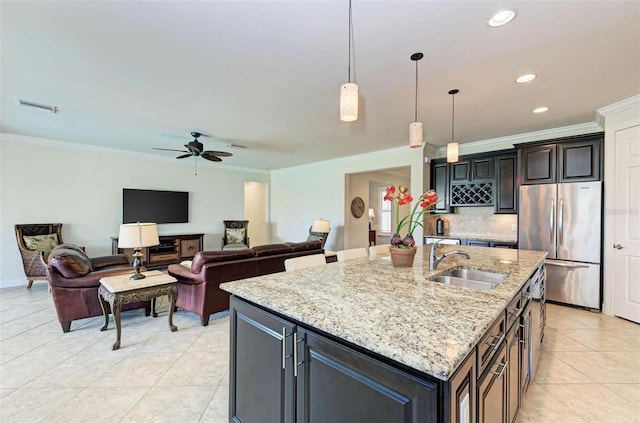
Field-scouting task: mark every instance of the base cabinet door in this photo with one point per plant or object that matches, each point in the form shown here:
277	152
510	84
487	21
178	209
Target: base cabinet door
337	384
261	379
492	390
513	372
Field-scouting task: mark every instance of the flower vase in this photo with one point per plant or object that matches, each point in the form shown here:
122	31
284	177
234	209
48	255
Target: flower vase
402	257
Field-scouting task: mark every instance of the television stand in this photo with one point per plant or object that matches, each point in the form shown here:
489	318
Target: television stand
172	249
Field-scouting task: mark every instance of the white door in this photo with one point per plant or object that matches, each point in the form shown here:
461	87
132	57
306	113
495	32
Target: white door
627	224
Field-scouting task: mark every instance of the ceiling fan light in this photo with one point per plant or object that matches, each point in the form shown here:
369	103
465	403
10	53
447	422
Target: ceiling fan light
452	152
349	102
415	135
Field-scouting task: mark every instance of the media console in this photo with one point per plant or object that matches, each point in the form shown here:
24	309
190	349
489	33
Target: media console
172	249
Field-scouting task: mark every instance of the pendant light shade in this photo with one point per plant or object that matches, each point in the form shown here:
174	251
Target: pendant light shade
349	102
349	91
452	147
415	128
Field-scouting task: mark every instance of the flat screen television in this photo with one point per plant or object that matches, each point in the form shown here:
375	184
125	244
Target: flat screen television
145	205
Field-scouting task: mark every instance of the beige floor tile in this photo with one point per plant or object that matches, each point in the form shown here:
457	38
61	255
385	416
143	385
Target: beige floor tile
25	368
33	405
629	335
144	369
539	406
98	405
630	359
630	391
598	367
179	341
598	340
197	369
559	321
218	409
5	391
555	340
553	370
25	343
172	404
216	338
76	372
596	403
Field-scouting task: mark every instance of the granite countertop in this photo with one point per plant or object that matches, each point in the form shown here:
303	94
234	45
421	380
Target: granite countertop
497	238
397	312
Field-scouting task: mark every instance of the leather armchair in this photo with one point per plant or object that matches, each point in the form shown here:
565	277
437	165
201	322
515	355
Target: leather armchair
75	278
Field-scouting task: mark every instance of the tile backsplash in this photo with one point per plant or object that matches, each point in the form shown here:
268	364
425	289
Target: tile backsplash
475	221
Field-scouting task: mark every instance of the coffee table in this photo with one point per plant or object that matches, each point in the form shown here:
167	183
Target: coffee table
119	290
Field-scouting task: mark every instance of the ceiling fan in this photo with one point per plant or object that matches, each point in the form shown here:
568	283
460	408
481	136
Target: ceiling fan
196	149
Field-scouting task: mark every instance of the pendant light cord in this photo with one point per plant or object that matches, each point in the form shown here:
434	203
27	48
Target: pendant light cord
416	108
350	42
453	113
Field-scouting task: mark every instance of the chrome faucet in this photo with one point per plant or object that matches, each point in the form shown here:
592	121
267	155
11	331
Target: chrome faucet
434	260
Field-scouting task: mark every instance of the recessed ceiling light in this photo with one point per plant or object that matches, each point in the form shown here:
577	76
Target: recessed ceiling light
540	109
526	78
501	18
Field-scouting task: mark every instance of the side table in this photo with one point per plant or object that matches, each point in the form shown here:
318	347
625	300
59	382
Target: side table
119	290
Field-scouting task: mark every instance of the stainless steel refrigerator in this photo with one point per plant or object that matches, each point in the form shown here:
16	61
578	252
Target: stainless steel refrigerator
565	221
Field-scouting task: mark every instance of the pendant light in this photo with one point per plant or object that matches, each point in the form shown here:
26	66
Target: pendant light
415	128
452	147
349	91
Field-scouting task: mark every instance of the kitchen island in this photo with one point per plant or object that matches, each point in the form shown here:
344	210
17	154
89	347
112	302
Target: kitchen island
375	319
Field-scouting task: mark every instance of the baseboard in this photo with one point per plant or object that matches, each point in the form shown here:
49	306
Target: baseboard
10	283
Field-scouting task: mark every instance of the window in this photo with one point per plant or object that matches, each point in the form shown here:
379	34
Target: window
384	212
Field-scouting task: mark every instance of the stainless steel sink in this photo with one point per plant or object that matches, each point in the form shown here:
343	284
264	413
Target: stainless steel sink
470	278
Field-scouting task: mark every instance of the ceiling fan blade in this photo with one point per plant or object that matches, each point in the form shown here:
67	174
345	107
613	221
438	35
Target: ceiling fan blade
169	149
218	153
184	156
210	157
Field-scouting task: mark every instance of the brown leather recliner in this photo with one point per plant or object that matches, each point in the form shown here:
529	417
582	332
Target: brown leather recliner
75	278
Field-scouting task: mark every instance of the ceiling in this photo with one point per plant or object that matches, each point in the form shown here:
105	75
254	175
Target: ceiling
266	74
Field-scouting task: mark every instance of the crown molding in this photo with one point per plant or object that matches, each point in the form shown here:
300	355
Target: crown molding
620	106
4	136
504	143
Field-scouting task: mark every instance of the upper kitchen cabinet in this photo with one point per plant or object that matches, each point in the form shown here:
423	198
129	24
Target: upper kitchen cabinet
506	191
571	159
440	182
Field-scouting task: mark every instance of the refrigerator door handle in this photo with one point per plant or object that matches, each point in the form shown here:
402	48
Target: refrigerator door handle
563	264
552	229
560	220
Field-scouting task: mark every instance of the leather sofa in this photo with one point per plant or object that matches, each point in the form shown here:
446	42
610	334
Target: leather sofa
75	278
199	286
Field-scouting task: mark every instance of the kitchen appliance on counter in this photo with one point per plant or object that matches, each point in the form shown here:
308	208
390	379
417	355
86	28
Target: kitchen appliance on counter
565	220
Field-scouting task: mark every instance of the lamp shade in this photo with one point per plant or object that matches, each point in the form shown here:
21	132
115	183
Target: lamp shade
138	235
349	102
321	226
415	135
452	152
371	213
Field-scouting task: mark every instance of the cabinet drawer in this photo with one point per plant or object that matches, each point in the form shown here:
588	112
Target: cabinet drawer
156	257
490	343
189	247
513	310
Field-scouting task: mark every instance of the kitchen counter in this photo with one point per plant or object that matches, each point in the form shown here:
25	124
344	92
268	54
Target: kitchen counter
396	312
496	238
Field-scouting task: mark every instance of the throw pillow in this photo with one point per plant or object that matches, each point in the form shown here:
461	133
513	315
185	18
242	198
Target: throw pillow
236	236
44	243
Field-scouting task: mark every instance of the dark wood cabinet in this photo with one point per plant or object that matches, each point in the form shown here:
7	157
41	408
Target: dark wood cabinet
462	388
440	183
570	159
492	389
461	171
282	372
172	249
261	377
513	372
506	189
338	384
482	169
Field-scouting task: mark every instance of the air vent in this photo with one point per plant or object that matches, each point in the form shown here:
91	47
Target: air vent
232	145
52	109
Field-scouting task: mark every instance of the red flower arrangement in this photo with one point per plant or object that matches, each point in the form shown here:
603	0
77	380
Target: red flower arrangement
426	202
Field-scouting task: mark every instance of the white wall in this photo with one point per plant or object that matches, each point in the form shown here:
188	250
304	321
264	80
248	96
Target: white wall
45	181
318	190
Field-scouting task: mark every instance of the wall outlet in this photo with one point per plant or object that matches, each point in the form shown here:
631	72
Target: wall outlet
514	228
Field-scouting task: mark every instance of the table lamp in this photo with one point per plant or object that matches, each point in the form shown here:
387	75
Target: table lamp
137	236
371	216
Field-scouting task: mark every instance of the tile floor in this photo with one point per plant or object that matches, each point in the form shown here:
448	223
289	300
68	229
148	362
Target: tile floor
589	368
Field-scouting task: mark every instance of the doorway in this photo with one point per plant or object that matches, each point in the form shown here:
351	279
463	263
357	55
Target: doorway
256	207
